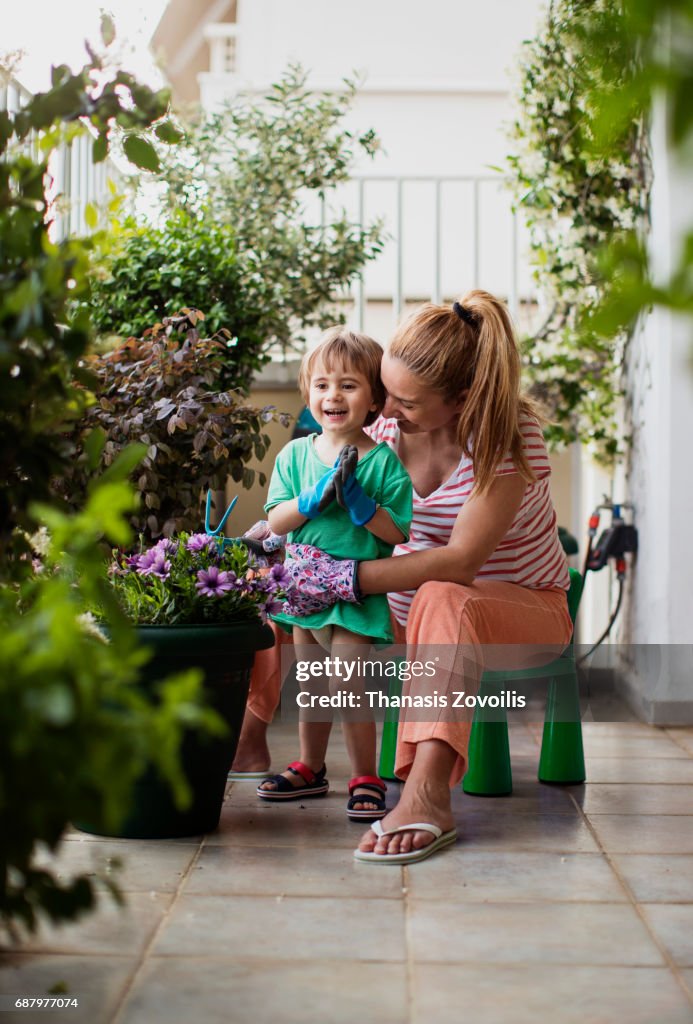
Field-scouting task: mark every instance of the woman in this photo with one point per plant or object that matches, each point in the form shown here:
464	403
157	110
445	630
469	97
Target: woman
483	558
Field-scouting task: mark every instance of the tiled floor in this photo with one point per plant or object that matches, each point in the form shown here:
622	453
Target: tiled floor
570	905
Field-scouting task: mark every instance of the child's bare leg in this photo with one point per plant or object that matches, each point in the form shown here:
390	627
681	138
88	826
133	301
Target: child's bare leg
359	733
313	736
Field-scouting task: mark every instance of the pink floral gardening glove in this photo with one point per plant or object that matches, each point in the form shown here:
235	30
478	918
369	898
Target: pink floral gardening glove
318	581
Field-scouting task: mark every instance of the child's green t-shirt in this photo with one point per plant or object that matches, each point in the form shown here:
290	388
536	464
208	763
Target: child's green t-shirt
383	477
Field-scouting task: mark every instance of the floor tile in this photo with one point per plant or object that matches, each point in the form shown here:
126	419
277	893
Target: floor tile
276	927
73	834
557	933
532	993
644	833
486	830
146	864
673	926
648	770
636	729
632	746
110	929
289	871
529	796
656	878
177	991
96	982
493	876
293	824
641	798
684	737
687	977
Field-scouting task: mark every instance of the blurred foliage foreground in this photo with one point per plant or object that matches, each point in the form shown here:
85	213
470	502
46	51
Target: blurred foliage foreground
74	730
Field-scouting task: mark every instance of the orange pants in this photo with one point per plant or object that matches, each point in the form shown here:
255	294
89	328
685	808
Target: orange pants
488	625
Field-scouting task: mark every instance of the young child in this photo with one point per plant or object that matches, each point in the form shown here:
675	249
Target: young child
340	382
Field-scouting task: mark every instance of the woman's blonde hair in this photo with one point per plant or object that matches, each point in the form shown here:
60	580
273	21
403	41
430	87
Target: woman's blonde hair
342	347
471	347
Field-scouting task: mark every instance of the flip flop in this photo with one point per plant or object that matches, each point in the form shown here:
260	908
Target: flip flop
441	839
246	776
315	784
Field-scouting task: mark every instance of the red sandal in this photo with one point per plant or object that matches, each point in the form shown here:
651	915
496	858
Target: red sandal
375	786
315	784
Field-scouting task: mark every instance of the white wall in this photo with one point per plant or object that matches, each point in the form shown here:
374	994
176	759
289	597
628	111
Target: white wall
436	90
660	609
439	42
436	78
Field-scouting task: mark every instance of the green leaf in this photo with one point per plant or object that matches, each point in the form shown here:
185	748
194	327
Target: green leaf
93	446
99	149
128	460
91	215
141	153
167	132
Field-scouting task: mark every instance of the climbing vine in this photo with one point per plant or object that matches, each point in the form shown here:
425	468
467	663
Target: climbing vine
578	196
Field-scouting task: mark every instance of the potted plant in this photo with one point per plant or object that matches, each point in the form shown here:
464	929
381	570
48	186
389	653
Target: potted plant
197	601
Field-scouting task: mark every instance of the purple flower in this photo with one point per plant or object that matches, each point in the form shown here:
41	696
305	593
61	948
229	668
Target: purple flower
270	608
211	582
154	563
199	541
145	561
168	546
279	575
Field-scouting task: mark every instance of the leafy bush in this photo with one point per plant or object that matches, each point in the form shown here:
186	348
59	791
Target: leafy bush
158	390
256	172
43	335
190	260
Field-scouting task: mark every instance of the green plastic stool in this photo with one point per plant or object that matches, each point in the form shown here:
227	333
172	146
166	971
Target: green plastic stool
489	772
388	743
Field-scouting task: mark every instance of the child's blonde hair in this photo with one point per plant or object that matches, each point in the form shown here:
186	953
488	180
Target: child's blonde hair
471	346
341	347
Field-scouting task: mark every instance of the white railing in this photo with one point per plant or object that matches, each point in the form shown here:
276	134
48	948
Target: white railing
446	235
440	263
74	179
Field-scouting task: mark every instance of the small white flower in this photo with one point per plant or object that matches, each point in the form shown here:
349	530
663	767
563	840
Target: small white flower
40	541
91	627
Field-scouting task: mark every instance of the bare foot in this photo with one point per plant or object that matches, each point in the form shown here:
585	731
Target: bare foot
253	753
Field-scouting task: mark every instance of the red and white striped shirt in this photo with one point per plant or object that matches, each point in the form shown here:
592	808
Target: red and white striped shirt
530	554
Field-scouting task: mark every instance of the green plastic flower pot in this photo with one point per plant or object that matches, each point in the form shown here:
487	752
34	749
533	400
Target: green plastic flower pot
225	654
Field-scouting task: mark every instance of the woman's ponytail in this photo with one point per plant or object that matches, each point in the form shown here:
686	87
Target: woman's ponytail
489	425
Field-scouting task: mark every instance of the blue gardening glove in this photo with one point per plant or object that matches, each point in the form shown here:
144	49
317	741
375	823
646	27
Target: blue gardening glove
359	505
314	500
